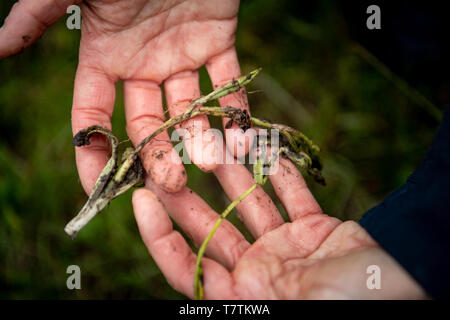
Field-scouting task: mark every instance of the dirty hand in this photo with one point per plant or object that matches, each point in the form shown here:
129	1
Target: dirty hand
145	43
314	256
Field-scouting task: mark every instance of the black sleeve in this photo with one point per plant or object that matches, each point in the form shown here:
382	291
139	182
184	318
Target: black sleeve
413	223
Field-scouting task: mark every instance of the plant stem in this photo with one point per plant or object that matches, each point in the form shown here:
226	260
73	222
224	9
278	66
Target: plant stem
230	87
117	177
198	286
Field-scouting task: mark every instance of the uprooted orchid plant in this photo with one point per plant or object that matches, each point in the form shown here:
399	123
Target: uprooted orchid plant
123	172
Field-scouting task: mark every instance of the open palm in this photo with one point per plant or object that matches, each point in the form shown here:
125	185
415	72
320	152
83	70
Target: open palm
144	43
314	256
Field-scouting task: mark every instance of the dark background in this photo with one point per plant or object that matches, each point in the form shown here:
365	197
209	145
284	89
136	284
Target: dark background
369	98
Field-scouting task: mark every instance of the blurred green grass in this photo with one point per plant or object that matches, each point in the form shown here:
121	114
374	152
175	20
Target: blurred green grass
371	134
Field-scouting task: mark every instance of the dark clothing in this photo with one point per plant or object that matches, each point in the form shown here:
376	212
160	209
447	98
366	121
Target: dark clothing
413	223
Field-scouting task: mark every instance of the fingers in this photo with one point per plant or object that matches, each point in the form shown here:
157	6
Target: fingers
180	89
257	210
144	114
292	190
196	219
93	104
224	68
309	227
27	21
171	252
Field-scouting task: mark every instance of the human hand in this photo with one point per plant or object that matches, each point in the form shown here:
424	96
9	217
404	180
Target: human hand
314	256
144	43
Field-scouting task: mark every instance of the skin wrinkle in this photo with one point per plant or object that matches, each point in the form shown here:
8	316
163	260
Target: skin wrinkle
178	25
112	23
299	244
93	69
342	242
218	278
237	249
93	119
323	246
135	73
272	285
264	274
309	267
162	240
318	221
211	62
194	63
270	226
99	36
188	272
275	271
144	84
186	41
98	114
41	24
210	221
150	119
165	19
162	10
217	51
286	280
94	112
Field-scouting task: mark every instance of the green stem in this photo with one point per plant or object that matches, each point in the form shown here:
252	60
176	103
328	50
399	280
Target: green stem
288	132
198	286
232	86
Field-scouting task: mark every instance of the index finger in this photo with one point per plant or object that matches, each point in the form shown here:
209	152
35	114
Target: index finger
172	253
93	104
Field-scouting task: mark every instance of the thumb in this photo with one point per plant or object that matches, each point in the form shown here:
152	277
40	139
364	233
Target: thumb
27	21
